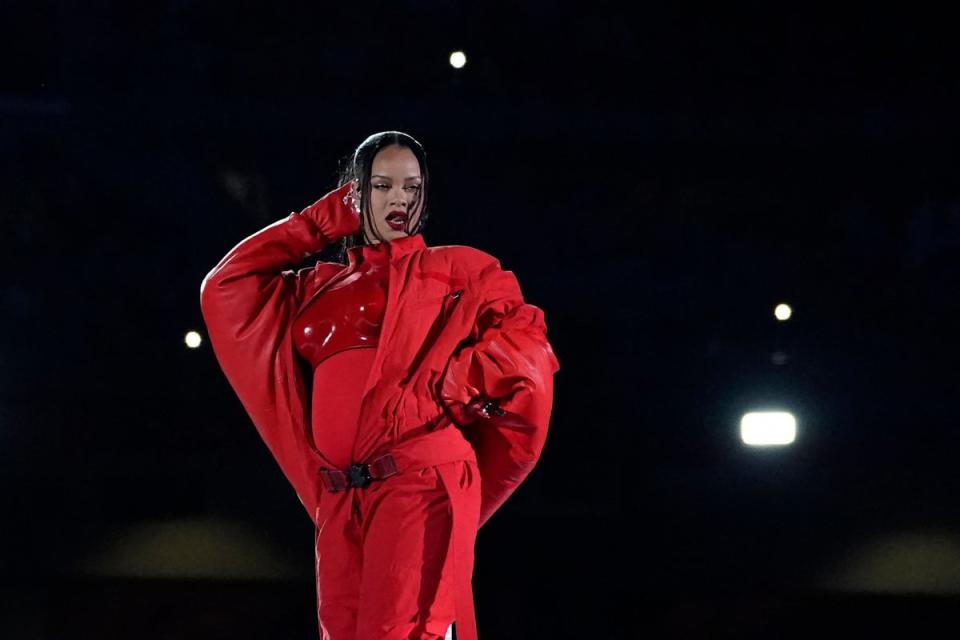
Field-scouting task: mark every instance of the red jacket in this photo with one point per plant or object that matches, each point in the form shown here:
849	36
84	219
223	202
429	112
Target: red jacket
456	330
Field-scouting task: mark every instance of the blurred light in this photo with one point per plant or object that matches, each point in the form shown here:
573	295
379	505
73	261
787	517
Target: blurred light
458	59
783	312
898	562
193	339
764	428
186	549
779	358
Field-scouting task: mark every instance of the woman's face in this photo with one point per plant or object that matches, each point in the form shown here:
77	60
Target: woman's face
395	189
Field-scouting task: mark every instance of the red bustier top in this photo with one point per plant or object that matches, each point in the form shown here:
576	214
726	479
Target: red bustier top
347	315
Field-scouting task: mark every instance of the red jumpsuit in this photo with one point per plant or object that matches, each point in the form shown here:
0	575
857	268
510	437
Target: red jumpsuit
330	384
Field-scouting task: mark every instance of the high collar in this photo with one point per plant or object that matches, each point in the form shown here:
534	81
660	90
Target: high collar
394	248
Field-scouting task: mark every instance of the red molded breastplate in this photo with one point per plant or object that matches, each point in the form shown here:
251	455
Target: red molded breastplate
348	315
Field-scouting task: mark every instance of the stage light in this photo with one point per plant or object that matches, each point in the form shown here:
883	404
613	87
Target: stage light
768	428
193	339
783	312
458	59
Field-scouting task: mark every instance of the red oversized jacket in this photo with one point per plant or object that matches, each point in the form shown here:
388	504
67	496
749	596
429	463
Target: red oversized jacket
456	329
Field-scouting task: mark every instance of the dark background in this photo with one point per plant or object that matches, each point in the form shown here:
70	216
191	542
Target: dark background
658	180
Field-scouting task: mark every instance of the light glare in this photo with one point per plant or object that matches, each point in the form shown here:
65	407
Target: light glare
783	312
766	428
193	339
458	59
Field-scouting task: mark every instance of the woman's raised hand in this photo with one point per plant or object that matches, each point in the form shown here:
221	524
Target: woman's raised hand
336	214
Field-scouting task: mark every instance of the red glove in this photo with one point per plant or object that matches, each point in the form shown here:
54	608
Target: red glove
337	214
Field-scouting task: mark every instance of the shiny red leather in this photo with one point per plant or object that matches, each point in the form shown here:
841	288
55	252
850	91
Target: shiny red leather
348	315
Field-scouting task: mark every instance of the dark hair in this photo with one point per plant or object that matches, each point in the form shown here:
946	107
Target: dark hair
359	166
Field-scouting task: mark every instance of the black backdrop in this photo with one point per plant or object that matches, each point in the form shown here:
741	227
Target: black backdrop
657	180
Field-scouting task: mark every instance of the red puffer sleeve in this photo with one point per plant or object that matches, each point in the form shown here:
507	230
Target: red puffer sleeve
248	302
510	362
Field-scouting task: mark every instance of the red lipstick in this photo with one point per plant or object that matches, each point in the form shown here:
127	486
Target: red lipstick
397	220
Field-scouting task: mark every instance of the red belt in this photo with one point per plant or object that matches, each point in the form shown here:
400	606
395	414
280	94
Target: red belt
359	475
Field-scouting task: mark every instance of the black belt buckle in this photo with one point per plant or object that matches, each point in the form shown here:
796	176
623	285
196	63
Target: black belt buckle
359	475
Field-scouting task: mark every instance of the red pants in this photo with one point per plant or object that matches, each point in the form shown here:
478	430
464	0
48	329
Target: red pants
394	559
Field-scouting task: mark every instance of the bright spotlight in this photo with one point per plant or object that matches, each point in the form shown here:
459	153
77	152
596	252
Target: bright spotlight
766	428
193	339
783	312
458	59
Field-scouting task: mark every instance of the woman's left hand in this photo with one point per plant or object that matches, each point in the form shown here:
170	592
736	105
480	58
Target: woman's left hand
485	409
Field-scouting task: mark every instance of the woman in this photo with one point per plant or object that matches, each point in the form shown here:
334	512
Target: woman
386	388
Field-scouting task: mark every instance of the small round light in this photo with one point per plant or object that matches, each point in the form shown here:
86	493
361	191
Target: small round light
783	312
193	339
458	59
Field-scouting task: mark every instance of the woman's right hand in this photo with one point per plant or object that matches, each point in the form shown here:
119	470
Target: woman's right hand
337	213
